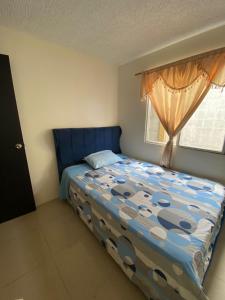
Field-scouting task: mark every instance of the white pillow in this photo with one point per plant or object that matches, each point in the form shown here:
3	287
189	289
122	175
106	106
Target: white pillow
102	158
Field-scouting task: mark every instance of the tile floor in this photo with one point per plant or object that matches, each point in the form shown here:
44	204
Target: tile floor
51	255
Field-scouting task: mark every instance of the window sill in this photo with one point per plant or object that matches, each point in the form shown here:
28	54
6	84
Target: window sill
186	147
155	143
202	150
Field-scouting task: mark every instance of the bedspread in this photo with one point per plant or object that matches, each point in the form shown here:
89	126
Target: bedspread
158	224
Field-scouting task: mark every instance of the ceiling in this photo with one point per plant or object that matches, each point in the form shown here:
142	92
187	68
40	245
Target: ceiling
115	30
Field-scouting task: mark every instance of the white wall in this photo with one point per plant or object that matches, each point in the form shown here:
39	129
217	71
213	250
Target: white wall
55	87
132	111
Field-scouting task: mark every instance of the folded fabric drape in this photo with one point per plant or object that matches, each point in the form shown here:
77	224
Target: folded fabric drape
177	90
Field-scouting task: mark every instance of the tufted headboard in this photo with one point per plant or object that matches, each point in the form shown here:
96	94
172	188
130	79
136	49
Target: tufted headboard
73	144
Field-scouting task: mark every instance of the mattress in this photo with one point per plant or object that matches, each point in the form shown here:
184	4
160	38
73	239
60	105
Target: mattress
159	225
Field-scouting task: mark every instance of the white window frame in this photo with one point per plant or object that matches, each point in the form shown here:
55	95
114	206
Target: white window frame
177	143
222	152
148	109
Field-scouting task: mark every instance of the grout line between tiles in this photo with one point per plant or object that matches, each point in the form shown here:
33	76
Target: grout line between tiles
35	266
56	266
21	275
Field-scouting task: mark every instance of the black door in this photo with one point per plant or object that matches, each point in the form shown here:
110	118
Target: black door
16	197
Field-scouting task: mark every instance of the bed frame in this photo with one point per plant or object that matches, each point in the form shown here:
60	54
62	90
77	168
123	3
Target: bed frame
73	144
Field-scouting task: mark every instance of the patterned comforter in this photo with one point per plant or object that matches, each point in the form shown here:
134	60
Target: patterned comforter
159	225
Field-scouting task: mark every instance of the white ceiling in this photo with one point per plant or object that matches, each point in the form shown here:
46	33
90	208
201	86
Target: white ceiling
115	30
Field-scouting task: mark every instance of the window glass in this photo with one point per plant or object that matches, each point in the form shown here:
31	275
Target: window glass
205	130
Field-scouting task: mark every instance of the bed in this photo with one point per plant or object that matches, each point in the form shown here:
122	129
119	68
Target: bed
159	225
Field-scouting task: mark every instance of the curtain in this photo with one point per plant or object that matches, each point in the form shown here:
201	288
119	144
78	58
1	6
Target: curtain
176	91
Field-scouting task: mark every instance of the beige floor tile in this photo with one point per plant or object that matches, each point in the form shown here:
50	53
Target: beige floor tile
51	254
85	268
90	273
63	232
53	210
21	254
215	288
18	227
42	283
81	274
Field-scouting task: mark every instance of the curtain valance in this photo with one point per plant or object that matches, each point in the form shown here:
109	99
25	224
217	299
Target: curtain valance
186	73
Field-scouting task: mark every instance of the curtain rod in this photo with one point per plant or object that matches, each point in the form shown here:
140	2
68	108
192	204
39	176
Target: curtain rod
181	61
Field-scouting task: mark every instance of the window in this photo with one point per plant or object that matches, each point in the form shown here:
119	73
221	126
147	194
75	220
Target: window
205	130
154	132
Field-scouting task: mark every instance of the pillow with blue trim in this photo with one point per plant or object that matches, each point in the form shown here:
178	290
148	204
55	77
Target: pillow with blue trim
102	158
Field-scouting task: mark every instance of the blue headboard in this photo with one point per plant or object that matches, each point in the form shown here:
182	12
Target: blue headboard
73	144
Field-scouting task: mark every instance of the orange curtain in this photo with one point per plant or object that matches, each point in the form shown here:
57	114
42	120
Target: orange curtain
177	90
